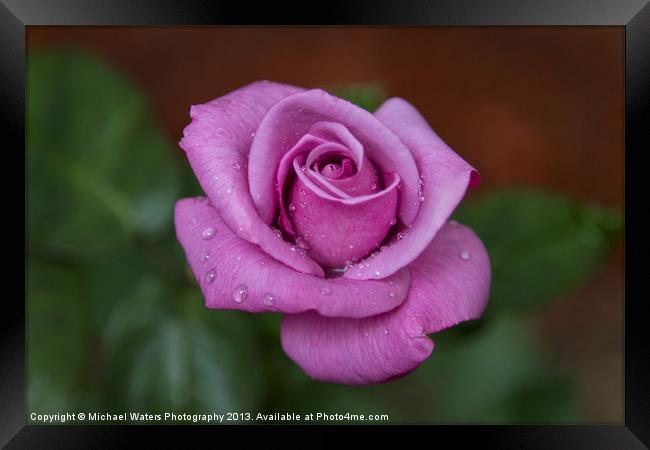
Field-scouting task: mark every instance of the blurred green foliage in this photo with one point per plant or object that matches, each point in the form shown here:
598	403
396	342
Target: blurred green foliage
369	96
116	323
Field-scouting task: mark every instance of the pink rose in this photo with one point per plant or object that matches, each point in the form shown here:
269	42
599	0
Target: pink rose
337	218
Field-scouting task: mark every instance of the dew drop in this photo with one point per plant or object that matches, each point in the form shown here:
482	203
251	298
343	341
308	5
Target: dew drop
385	331
303	192
211	276
268	299
205	257
465	255
208	233
292	207
421	198
365	334
391	294
393	221
240	293
238	258
229	191
351	246
277	232
373	186
325	290
298	249
383	248
377	274
252	134
401	236
236	166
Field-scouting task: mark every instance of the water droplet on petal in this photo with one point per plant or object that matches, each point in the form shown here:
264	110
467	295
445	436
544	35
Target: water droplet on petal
325	290
373	186
401	236
421	198
298	249
377	274
240	293
268	299
238	258
210	276
229	191
303	192
365	334
205	257
383	248
252	134
292	207
208	233
391	294
236	166
465	255
385	331
351	246
277	232
393	221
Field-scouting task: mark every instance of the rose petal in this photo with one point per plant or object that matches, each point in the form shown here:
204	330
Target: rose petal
217	143
294	116
446	177
223	262
304	145
339	231
450	284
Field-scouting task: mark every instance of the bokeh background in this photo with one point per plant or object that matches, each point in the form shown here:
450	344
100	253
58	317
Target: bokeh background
115	319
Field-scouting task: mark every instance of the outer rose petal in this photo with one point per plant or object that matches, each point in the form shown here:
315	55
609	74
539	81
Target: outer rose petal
222	262
217	143
450	284
446	177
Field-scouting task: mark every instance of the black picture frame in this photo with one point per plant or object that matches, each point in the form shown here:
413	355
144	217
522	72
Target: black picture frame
633	15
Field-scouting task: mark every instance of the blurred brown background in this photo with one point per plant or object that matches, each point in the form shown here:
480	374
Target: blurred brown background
540	106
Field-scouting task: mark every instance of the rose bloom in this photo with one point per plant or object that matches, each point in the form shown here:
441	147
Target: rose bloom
336	218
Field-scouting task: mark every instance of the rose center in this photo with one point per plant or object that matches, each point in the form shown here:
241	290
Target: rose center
336	166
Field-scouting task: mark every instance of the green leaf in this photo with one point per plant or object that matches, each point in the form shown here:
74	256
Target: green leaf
540	244
58	347
183	358
98	170
366	95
